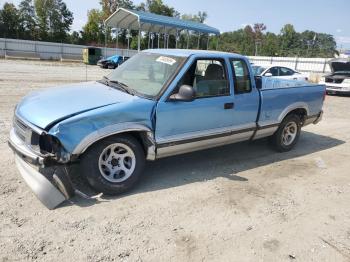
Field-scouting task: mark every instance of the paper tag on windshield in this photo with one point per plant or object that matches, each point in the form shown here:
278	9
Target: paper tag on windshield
166	60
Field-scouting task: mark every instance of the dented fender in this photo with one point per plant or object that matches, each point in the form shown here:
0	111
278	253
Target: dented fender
77	133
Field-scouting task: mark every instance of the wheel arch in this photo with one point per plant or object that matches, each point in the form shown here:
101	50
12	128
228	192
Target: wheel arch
300	112
300	109
142	133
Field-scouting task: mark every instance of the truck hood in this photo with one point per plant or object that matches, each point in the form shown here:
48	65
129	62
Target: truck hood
45	107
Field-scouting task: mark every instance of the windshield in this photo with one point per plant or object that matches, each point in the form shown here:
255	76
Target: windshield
257	70
146	73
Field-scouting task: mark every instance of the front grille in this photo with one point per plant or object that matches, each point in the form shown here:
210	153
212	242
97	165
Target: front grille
21	129
335	81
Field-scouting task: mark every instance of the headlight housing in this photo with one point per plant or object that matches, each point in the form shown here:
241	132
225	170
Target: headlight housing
346	81
323	79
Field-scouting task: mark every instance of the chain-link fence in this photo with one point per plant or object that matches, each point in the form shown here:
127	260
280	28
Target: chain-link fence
314	65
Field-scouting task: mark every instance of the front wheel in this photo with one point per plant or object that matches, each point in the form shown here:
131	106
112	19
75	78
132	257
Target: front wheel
113	165
287	134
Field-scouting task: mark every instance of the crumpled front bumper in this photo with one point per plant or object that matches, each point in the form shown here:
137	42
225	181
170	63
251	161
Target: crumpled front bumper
28	163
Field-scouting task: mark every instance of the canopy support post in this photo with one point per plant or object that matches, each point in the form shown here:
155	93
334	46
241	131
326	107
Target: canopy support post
217	42
128	37
208	42
188	38
199	39
158	39
117	44
149	39
105	54
176	38
164	37
139	40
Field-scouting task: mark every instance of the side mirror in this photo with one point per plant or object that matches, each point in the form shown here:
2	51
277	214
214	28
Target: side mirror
268	74
186	94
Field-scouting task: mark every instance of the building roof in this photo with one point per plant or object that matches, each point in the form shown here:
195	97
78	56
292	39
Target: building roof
132	19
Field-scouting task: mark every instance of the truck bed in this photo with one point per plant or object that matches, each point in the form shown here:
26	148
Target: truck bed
276	102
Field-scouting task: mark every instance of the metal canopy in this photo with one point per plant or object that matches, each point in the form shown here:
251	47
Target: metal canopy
143	21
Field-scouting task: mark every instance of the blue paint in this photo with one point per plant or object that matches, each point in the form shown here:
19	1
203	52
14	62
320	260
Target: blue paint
146	17
115	59
72	112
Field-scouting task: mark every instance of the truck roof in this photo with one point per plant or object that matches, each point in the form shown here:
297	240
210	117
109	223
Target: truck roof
189	52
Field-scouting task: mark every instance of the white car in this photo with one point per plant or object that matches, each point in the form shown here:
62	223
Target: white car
279	72
338	82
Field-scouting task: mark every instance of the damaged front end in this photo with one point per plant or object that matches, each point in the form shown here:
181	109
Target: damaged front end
41	161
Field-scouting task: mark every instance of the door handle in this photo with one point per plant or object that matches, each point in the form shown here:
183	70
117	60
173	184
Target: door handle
229	105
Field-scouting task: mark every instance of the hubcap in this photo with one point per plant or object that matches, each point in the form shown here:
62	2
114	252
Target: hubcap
289	133
117	162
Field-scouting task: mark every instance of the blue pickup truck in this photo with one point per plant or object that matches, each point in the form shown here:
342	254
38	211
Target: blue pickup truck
158	104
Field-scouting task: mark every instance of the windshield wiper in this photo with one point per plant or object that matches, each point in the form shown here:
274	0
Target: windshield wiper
121	85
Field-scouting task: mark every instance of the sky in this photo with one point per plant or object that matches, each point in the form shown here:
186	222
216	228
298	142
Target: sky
324	16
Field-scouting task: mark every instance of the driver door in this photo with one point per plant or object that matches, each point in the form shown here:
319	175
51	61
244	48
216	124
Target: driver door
204	122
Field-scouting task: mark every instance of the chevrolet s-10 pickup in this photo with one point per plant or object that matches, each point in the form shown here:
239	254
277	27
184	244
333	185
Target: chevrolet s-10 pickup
159	103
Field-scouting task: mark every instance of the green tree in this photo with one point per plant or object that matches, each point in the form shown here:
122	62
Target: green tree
269	45
42	11
9	21
325	46
93	31
240	41
75	38
290	41
110	6
27	19
200	17
54	19
158	7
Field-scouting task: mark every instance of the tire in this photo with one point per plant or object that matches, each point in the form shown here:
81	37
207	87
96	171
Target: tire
283	140
113	165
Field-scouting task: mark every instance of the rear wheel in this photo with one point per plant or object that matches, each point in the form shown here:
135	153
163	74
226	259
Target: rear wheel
287	134
114	165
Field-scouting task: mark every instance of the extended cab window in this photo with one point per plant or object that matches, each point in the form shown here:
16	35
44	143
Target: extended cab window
242	81
207	77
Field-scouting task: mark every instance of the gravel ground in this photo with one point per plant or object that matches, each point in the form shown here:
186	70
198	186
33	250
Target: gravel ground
242	202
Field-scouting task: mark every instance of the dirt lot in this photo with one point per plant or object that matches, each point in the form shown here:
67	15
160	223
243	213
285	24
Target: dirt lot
236	203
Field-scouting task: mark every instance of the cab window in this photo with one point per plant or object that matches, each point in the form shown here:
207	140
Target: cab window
242	81
208	78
